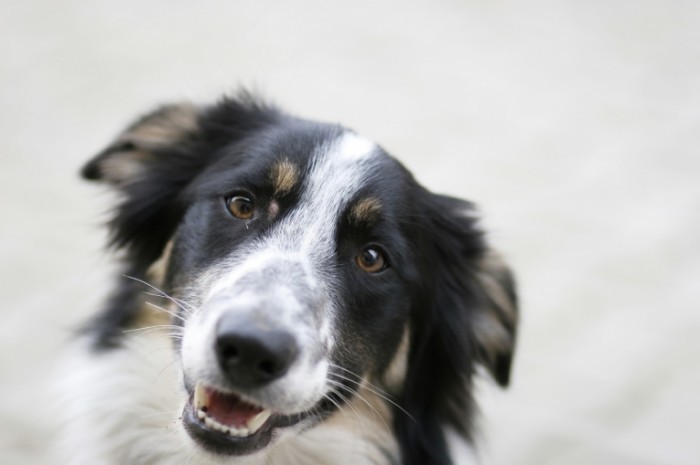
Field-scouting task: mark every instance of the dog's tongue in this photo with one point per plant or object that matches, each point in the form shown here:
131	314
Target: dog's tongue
229	409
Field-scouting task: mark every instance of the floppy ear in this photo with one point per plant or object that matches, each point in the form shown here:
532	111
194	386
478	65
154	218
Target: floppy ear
496	317
467	316
474	285
148	163
141	143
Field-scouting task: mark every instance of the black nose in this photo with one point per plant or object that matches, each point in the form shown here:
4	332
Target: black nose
250	356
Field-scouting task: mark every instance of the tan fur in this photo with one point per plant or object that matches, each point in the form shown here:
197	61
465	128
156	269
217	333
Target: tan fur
366	210
156	272
148	315
127	166
394	375
284	176
164	127
491	324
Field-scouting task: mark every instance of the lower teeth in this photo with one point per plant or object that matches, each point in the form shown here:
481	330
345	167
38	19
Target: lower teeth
236	432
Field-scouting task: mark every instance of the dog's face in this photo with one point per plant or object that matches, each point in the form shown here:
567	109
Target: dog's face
294	257
302	261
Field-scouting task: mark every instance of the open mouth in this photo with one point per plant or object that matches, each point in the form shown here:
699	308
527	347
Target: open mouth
224	423
228	413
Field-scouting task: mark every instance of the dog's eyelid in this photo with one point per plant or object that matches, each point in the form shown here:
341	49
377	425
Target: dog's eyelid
239	191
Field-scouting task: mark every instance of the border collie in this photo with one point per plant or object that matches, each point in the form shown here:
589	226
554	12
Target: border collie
290	295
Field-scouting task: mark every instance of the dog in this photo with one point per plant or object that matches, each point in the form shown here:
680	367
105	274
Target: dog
289	295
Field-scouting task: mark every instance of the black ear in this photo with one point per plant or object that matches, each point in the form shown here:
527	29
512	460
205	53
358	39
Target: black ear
149	163
475	287
467	316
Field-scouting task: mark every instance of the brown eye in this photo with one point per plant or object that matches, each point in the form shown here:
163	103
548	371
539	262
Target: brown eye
371	260
241	207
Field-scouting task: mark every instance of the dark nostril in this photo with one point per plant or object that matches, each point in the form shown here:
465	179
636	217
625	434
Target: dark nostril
229	352
267	367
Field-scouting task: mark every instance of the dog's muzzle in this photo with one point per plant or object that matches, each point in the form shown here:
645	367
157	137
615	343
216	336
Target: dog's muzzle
253	361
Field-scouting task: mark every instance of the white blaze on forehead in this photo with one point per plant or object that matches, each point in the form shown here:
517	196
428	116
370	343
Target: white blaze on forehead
338	171
353	147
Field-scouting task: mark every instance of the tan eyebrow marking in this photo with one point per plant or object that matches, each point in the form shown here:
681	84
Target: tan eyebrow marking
284	176
366	210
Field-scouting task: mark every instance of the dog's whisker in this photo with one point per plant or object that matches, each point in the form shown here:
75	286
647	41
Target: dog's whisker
178	303
173	314
352	408
361	397
370	387
358	416
178	330
161	292
185	306
361	379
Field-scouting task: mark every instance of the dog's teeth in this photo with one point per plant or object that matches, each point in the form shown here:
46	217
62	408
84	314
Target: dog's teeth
258	420
201	402
220	427
239	432
200	396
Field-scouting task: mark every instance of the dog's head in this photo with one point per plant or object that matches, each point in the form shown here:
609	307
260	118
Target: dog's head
302	262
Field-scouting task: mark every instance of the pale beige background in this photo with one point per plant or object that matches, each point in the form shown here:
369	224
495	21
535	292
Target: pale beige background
574	124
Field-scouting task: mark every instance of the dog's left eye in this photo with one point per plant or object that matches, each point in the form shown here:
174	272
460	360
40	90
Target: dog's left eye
241	207
371	260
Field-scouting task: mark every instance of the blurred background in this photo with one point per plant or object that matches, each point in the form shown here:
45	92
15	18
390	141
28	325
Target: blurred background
575	125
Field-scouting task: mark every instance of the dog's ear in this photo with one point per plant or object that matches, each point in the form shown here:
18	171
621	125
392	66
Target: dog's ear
475	286
495	318
139	146
467	316
153	160
148	164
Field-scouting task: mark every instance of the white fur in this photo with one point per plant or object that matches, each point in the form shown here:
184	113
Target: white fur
122	406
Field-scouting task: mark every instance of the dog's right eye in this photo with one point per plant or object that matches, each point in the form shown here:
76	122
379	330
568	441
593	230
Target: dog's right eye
241	207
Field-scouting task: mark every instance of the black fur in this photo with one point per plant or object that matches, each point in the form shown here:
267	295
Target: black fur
442	355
